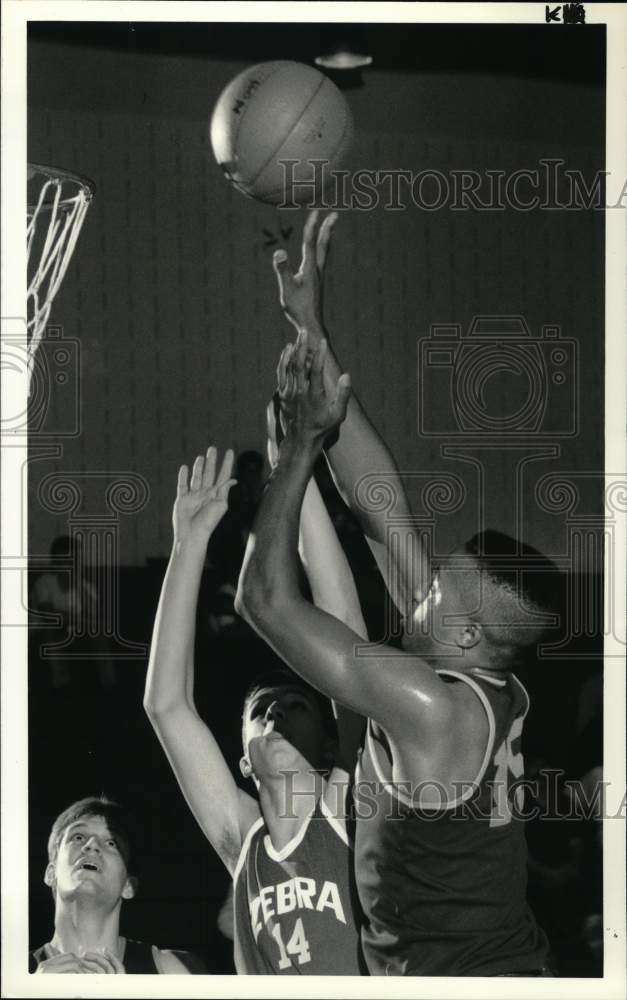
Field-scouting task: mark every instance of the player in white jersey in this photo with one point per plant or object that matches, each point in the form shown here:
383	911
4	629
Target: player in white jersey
288	851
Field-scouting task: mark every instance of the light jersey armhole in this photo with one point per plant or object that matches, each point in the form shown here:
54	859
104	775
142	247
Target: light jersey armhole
245	847
397	793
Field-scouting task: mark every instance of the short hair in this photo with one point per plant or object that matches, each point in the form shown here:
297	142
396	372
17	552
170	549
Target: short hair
282	677
113	813
527	578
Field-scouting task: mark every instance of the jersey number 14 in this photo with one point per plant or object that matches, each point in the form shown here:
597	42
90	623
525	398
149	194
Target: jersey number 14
297	945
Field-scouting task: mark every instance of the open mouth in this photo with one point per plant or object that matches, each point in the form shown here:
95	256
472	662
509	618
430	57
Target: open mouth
87	866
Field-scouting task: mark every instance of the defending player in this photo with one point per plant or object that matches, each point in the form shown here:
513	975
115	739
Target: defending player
88	872
443	891
288	851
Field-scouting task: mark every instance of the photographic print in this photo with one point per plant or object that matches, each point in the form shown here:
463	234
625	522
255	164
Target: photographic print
313	456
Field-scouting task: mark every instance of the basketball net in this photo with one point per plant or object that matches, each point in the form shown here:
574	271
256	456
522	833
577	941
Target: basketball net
54	219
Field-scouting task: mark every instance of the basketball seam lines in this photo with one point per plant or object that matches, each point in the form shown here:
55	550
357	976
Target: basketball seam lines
347	122
277	69
286	137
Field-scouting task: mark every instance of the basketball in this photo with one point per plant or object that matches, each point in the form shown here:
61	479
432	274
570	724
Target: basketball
280	111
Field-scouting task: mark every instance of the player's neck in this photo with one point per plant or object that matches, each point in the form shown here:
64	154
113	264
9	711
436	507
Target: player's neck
79	928
287	802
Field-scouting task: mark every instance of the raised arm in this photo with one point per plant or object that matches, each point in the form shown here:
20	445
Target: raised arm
405	696
223	811
332	587
358	452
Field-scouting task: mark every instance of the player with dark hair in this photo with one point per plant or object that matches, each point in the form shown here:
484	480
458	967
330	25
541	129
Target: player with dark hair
288	851
440	849
88	871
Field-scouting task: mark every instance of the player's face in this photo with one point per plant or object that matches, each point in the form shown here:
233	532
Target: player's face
89	863
454	597
284	727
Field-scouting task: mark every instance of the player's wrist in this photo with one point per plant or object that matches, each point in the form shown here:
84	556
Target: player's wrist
190	543
310	322
301	444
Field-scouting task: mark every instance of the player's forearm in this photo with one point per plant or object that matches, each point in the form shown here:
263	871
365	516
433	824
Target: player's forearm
333	590
169	682
328	572
270	572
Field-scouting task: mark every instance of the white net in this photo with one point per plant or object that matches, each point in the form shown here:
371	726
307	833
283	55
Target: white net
56	212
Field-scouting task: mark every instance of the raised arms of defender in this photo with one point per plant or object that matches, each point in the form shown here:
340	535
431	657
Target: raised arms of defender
223	811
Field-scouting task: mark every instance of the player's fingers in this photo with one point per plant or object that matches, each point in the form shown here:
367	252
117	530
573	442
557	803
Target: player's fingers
279	430
324	238
67	962
196	477
299	362
209	471
226	468
281	264
272	416
317	366
309	241
224	488
181	484
281	371
343	395
273	453
97	962
115	961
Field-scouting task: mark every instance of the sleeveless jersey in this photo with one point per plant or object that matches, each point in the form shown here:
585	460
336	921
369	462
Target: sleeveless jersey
296	910
443	885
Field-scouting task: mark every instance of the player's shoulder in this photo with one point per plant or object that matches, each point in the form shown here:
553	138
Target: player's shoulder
173	962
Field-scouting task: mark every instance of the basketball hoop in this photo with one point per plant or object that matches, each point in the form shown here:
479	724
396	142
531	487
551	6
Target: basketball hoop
57	204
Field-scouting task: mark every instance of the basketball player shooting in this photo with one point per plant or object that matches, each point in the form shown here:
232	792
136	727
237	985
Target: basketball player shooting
288	851
444	890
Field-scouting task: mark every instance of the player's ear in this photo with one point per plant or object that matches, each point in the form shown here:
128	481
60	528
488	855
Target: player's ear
50	875
130	888
245	767
469	635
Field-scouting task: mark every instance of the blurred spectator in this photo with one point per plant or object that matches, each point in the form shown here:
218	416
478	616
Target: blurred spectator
65	590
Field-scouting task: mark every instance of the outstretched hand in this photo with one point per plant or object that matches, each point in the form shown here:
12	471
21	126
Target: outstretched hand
308	408
202	498
300	294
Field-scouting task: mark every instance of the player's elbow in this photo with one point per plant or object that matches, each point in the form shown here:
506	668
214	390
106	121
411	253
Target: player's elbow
159	705
257	595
